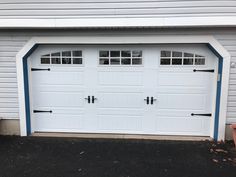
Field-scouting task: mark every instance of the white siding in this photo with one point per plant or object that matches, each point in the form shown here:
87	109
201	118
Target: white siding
31	9
12	41
8	85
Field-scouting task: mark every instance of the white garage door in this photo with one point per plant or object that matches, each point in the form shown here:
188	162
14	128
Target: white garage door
166	90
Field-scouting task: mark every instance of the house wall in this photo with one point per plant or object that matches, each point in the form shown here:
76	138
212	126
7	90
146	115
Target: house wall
32	9
11	41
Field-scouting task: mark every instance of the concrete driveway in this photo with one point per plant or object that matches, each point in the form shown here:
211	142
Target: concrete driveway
69	157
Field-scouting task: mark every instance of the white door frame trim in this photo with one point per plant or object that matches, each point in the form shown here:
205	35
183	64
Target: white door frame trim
139	39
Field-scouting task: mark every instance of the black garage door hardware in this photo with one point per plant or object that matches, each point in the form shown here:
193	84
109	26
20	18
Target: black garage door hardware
148	100
209	114
42	111
40	69
90	99
204	70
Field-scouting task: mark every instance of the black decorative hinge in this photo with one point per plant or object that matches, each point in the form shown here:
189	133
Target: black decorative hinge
40	69
204	70
209	114
41	111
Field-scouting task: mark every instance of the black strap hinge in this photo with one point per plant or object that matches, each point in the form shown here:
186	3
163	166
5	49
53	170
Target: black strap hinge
42	111
209	114
40	69
204	70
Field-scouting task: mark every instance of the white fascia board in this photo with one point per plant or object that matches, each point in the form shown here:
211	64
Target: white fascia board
119	22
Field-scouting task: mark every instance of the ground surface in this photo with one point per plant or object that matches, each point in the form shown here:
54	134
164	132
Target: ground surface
69	157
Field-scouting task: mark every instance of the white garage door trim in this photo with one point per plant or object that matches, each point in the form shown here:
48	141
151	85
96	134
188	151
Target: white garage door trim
152	39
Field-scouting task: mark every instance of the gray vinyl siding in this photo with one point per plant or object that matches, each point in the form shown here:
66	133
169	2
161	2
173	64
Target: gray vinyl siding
31	9
12	41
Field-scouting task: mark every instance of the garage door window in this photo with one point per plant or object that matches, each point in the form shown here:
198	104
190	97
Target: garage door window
45	59
63	58
120	57
181	58
56	58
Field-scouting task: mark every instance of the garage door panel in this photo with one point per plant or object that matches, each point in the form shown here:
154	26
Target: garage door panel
182	101
165	113
59	88
59	99
119	111
120	78
120	123
58	122
120	100
180	126
181	90
183	79
58	78
120	89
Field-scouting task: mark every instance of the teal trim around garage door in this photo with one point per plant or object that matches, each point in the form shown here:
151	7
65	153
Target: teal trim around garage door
27	99
218	92
26	88
26	91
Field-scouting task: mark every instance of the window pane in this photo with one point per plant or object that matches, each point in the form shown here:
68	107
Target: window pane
66	54
126	53
103	53
115	53
188	61
63	57
176	54
200	61
165	61
104	61
77	53
77	61
136	61
126	61
56	54
176	61
56	60
66	61
115	61
45	60
198	56
46	56
137	53
118	57
188	55
165	53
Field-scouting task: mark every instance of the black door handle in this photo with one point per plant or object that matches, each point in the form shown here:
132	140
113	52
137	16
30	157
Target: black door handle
147	100
93	99
152	100
88	99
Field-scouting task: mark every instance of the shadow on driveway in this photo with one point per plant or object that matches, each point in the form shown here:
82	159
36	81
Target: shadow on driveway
69	157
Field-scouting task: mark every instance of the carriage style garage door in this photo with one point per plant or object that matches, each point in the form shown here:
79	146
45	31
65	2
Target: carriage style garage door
128	89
